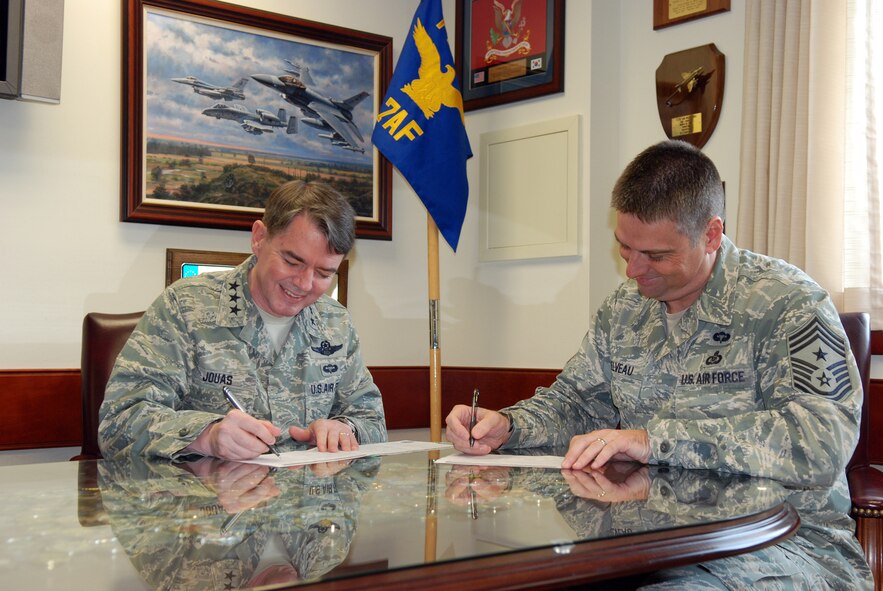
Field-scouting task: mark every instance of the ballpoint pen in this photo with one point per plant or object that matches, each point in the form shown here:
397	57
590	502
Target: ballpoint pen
472	419
228	523
235	404
232	519
473	508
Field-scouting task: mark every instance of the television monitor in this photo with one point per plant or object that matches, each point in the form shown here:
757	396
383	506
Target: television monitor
11	27
188	263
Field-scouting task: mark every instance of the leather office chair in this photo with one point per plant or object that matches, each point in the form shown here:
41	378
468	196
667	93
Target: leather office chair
103	337
865	481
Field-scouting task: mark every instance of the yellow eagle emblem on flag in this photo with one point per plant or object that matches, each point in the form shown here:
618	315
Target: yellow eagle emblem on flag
433	88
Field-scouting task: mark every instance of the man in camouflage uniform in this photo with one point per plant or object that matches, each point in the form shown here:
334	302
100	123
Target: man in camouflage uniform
708	357
266	332
176	520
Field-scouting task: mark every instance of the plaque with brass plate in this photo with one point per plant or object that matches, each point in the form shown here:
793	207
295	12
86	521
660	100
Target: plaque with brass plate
672	12
690	92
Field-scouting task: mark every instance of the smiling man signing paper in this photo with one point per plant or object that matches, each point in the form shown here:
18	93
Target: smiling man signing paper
266	332
707	357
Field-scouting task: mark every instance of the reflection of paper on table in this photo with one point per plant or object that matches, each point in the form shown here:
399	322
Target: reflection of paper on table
509	461
314	456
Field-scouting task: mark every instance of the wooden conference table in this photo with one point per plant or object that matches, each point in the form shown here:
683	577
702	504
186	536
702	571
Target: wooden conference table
391	522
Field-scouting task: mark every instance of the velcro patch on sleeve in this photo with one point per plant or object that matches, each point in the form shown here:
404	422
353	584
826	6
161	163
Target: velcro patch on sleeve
818	360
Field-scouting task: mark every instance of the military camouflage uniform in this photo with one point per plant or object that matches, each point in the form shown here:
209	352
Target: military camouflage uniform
171	524
206	332
756	378
824	553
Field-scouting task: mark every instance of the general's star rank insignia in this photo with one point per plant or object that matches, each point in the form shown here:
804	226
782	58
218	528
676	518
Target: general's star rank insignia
818	360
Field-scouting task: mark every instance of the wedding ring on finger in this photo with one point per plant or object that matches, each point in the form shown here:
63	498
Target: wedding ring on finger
602	440
344	434
602	493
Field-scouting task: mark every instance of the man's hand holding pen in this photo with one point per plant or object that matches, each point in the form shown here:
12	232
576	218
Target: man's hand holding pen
490	430
237	436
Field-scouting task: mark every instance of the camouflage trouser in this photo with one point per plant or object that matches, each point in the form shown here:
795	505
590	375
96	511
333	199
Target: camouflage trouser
773	569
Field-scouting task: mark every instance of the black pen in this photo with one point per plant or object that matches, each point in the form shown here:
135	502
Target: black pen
472	419
235	404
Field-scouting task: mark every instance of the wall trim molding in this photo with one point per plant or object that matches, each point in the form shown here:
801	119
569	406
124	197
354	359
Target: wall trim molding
43	407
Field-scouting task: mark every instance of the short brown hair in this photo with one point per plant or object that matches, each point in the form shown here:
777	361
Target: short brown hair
330	211
674	181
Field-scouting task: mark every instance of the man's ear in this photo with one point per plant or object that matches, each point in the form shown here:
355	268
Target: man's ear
258	235
713	233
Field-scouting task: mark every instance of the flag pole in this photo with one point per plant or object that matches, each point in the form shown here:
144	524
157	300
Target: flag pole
434	348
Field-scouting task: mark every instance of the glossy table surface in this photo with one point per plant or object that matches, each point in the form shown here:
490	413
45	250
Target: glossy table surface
398	522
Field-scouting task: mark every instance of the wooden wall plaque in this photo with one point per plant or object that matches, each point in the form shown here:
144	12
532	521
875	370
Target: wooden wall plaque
690	93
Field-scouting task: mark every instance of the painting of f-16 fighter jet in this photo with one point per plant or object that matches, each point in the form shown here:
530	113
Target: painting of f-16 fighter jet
227	93
332	116
231	110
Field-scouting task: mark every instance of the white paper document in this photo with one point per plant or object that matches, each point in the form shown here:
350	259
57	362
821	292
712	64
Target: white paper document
314	456
508	461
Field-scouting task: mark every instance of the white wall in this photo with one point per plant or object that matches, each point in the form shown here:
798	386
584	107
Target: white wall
66	253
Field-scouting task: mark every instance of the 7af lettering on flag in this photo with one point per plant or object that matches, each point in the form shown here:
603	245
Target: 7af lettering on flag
421	128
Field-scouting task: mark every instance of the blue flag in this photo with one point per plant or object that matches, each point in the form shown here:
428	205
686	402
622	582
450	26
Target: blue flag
420	127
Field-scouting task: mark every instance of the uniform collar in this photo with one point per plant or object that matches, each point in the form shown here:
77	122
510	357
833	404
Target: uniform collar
236	308
716	302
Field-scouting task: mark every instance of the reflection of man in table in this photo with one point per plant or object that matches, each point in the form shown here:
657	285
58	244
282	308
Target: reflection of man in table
212	524
626	498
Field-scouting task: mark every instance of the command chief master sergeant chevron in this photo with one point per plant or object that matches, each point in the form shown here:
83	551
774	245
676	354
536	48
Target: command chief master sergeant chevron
708	357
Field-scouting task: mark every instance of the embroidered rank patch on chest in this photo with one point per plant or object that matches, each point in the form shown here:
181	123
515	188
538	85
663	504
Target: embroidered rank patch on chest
818	360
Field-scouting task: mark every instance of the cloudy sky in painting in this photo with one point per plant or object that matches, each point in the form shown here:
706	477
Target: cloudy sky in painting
178	45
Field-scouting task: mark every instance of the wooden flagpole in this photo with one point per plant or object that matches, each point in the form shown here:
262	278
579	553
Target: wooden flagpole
434	348
431	531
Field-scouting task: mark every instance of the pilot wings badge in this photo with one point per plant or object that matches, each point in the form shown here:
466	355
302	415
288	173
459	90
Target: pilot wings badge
325	348
818	360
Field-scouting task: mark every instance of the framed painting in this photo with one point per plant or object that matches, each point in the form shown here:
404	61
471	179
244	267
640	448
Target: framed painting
509	50
223	103
187	263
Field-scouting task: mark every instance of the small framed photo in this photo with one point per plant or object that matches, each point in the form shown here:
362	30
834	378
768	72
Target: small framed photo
187	263
674	12
223	103
509	50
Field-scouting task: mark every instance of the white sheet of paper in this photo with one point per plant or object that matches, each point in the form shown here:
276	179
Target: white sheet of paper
508	461
314	456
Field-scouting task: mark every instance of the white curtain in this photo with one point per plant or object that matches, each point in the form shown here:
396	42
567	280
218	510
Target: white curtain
793	135
810	175
862	252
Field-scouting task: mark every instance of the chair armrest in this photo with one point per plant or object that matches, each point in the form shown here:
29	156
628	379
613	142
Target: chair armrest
866	490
